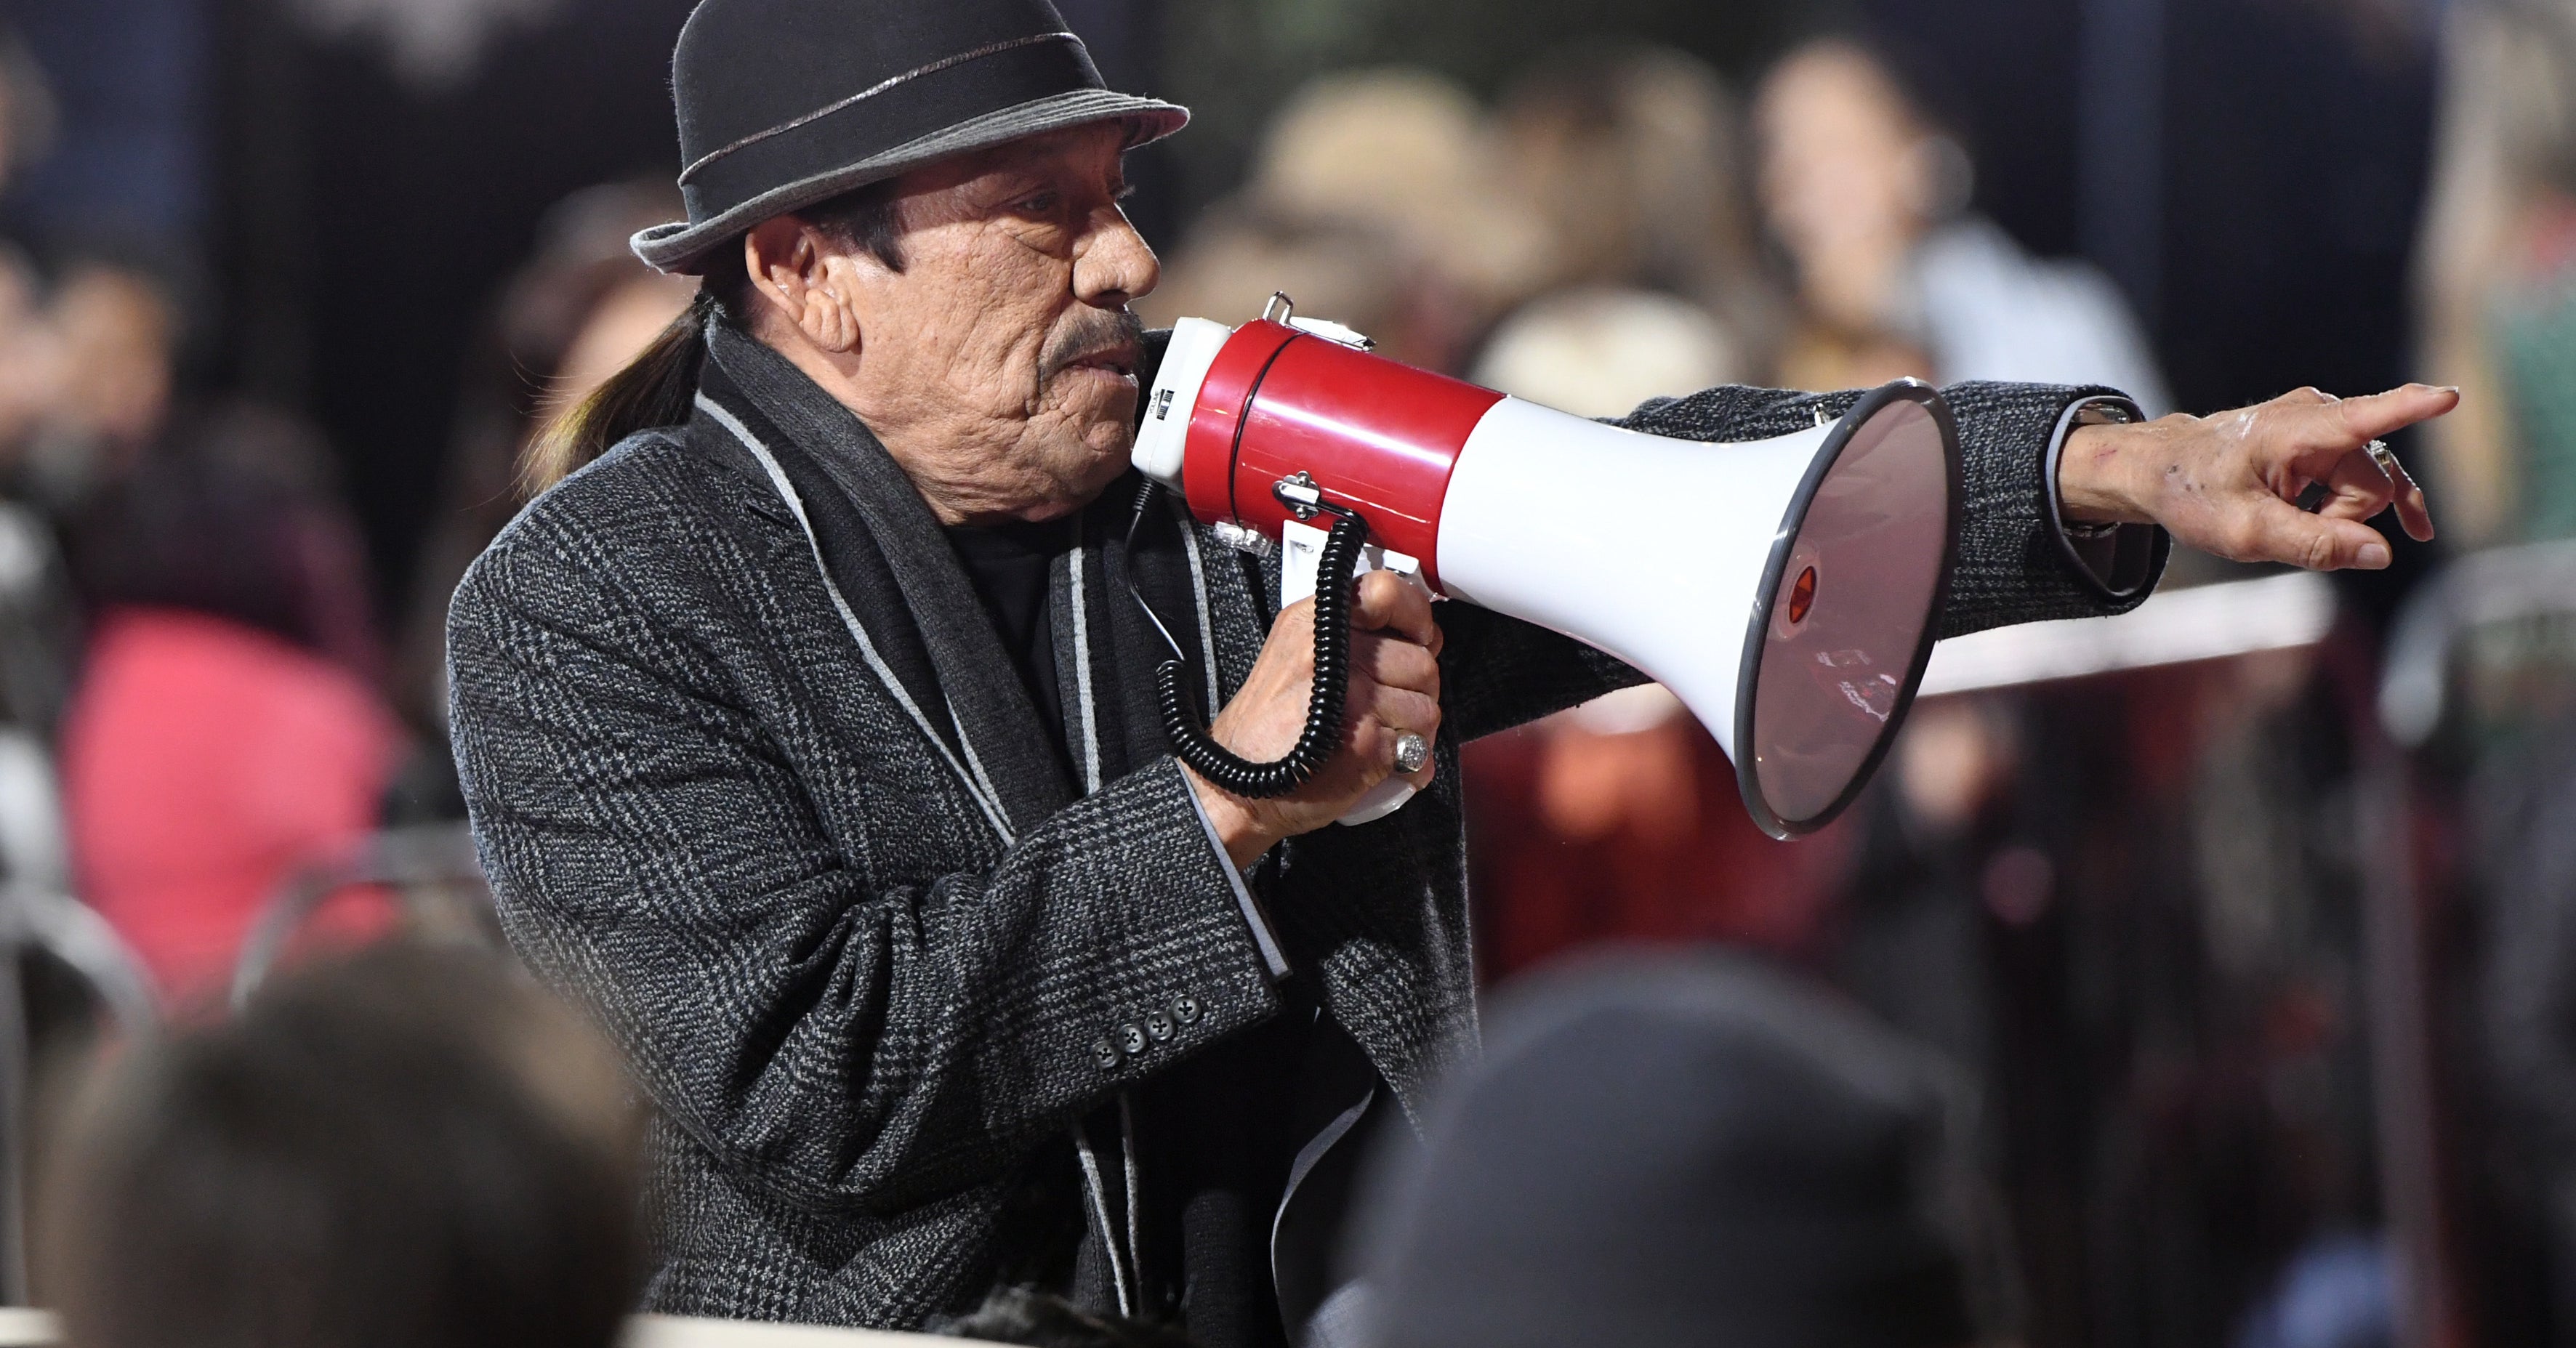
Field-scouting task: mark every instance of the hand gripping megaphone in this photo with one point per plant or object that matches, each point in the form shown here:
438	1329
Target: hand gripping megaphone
1787	590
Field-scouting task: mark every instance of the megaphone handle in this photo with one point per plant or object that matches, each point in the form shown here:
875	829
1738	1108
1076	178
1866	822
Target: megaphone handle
1323	732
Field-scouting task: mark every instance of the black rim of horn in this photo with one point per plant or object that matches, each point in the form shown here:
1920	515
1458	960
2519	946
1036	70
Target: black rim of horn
1757	637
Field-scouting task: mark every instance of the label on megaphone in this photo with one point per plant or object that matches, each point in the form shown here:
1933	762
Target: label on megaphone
1301	552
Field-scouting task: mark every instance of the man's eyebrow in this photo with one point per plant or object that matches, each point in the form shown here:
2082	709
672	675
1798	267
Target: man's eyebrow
1010	184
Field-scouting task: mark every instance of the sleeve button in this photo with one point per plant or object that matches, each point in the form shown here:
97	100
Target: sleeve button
1186	1008
1132	1038
1105	1054
1161	1026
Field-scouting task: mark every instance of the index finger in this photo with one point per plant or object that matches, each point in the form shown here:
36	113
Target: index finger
2354	422
1388	603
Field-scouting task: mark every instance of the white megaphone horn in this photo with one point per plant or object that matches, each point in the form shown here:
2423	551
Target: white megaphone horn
1787	590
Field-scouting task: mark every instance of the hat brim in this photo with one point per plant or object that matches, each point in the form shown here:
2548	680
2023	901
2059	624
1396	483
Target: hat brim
682	249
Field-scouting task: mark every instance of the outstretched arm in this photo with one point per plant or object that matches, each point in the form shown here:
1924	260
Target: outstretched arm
2232	484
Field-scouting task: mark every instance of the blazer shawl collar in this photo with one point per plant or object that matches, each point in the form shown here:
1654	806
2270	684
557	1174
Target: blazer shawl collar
923	629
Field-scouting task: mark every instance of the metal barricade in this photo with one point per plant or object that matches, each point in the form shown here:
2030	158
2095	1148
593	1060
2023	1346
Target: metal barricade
57	926
432	869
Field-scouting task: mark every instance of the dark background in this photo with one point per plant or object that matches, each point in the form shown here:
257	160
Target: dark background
2251	170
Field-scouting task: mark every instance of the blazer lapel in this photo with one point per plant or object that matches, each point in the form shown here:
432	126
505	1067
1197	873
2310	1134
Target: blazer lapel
1155	563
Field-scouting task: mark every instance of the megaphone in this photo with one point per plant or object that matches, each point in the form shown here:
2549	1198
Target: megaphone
1787	590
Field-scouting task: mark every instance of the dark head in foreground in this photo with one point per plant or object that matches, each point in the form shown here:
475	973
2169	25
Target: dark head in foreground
410	1149
1665	1151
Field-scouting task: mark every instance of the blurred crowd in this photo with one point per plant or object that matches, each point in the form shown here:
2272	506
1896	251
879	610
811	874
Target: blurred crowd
2060	1037
189	626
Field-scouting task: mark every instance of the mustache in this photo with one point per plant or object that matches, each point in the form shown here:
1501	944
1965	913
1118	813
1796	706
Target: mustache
1089	333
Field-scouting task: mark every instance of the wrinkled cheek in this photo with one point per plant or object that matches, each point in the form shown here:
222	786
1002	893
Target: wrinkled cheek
992	357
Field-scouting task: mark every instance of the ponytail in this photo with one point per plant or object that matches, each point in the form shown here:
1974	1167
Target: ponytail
660	387
657	388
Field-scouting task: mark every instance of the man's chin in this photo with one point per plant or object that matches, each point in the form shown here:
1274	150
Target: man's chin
1081	466
1104	426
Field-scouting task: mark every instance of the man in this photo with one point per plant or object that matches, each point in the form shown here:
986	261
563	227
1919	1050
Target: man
809	733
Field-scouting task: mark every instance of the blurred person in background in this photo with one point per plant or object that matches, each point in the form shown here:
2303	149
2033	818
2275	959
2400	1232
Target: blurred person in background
1867	191
1365	277
38	627
226	732
117	334
1665	1151
95	393
1909	935
2497	268
39	614
574	314
414	1148
1632	160
29	368
1866	187
1408	158
2524	821
1621	819
89	340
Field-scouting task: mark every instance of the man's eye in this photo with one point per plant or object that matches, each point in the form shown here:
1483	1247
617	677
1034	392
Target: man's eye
1040	204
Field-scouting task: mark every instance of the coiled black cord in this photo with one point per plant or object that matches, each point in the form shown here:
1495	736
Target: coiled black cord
1322	735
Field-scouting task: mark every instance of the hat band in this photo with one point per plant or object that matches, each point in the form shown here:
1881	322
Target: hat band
882	86
859	134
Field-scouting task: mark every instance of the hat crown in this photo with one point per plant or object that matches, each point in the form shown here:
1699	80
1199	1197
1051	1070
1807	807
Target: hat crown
783	104
749	67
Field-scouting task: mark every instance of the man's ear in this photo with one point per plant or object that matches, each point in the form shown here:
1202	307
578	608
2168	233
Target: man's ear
808	281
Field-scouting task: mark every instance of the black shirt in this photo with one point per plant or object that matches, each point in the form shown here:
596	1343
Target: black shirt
1009	566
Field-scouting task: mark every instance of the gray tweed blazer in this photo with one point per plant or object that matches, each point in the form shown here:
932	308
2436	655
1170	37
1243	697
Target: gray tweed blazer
858	1010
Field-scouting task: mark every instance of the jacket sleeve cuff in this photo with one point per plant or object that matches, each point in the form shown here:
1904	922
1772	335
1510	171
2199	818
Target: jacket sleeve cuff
2120	560
1273	957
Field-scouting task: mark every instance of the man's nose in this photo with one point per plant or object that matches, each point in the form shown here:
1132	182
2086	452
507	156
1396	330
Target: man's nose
1114	264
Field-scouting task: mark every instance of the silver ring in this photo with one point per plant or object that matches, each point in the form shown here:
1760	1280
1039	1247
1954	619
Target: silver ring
2395	472
1411	752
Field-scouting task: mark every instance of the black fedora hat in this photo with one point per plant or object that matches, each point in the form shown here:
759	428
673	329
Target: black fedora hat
785	103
